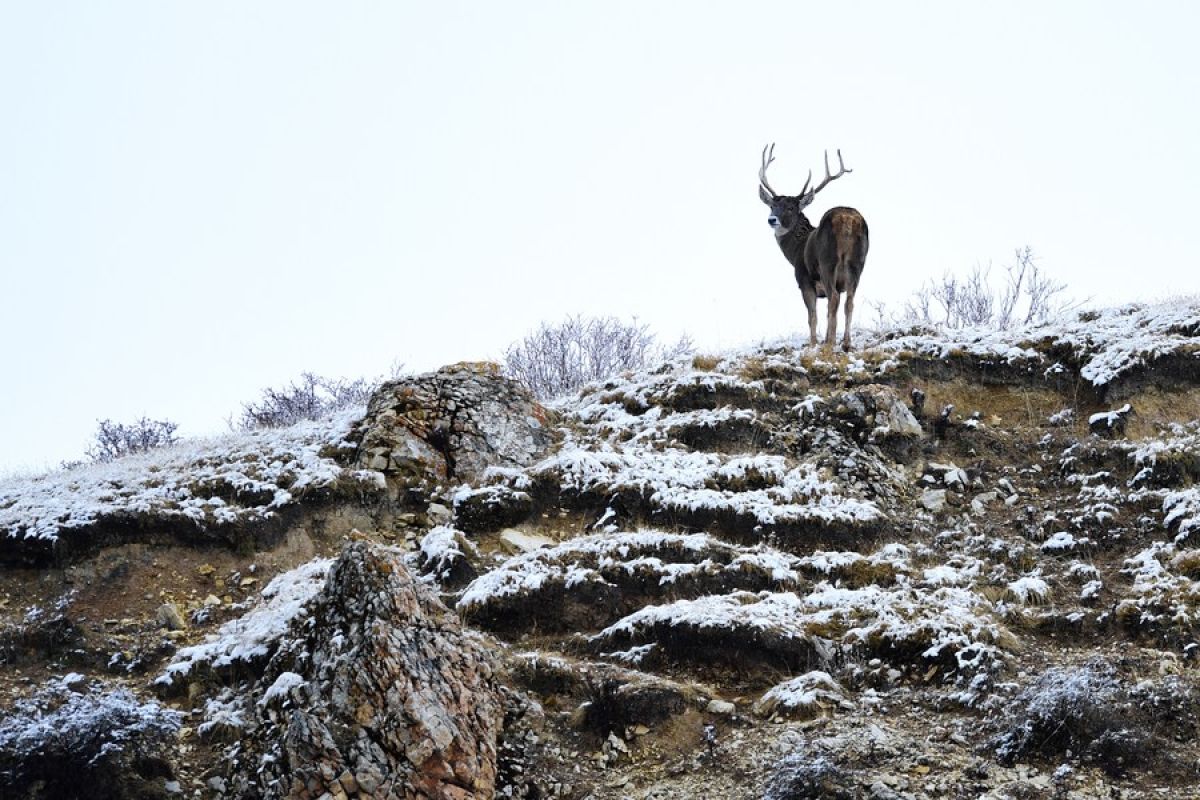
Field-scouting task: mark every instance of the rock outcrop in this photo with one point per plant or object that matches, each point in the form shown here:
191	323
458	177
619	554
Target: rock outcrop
377	692
451	424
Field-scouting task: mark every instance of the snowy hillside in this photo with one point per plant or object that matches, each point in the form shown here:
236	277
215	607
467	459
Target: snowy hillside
949	564
238	479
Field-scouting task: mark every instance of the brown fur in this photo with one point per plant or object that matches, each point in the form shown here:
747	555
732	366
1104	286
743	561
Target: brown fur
834	254
847	226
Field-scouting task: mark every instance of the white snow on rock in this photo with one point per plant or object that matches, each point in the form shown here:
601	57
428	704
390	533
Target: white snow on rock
1107	343
1181	440
807	695
685	480
1060	542
663	558
662	387
254	635
962	571
442	549
222	716
1028	590
943	623
1161	596
889	561
263	470
1182	510
281	688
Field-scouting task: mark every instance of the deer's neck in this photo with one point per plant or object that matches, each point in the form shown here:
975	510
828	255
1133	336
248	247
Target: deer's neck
792	243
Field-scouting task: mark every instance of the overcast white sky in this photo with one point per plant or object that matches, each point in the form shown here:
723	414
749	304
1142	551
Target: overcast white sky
198	200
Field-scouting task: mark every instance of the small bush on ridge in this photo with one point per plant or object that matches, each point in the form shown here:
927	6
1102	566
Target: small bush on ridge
1026	294
556	359
115	440
1083	710
312	397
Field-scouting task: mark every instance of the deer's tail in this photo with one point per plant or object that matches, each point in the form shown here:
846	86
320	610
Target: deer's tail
849	232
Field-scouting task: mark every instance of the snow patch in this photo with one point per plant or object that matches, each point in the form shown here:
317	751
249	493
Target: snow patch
254	636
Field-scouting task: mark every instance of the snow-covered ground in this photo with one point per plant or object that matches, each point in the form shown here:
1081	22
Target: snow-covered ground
627	554
237	478
1104	344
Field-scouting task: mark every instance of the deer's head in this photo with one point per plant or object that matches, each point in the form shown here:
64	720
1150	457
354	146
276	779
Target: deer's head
787	212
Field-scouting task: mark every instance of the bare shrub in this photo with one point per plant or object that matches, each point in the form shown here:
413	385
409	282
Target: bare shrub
67	743
1025	295
1083	710
311	397
801	775
45	632
114	440
556	359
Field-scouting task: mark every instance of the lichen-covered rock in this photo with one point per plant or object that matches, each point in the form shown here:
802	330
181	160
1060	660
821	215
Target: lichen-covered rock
608	696
470	415
882	418
378	688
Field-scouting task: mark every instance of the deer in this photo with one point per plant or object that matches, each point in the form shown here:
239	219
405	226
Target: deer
828	259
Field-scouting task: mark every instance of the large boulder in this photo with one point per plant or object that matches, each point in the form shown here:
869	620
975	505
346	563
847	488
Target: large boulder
378	691
468	415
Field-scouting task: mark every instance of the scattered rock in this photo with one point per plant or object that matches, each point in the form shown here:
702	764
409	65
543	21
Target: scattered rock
934	500
917	403
944	420
438	514
722	708
491	508
168	616
447	556
521	542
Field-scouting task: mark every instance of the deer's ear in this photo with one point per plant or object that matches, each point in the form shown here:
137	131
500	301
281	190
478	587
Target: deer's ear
764	195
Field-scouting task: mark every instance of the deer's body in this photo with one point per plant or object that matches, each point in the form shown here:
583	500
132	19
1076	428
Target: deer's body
828	260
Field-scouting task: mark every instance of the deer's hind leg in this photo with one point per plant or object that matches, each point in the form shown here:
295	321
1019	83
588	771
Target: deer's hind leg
849	315
809	293
835	299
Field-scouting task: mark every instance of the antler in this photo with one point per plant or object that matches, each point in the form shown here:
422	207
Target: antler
806	196
767	158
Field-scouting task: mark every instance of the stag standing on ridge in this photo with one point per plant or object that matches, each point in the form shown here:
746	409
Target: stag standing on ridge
829	258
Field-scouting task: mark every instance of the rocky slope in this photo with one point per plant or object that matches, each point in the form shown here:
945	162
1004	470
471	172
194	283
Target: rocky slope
945	566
